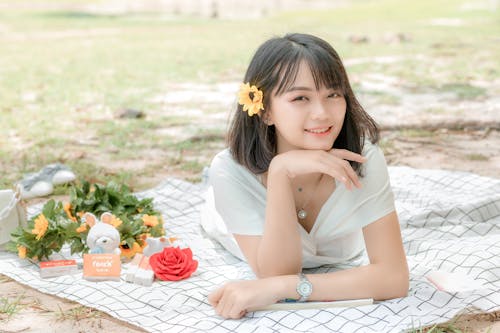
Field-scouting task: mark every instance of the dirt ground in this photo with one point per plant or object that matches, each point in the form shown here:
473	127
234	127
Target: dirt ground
474	151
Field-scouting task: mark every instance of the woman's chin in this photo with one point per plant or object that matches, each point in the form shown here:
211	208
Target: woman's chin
325	147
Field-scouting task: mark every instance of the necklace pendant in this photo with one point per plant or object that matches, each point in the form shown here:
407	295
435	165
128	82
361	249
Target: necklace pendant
302	214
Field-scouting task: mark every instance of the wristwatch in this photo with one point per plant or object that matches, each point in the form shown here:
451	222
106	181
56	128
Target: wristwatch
304	288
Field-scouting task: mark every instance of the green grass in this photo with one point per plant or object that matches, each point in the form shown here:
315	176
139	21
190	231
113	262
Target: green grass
417	133
77	313
9	307
477	157
464	90
64	74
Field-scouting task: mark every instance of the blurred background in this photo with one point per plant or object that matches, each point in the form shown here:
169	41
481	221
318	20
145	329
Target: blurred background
137	91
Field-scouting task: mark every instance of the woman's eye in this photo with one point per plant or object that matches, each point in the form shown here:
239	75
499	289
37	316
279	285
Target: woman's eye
299	98
334	95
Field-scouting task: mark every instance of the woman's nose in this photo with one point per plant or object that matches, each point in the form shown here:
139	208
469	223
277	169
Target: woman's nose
319	110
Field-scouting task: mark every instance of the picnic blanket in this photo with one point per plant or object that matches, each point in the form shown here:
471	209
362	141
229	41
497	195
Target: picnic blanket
450	221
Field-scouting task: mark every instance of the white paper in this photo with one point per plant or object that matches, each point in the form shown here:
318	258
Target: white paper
453	282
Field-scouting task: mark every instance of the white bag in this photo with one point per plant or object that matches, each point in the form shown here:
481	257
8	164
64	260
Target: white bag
12	214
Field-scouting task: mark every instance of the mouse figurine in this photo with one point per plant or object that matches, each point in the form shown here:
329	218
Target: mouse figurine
155	245
102	237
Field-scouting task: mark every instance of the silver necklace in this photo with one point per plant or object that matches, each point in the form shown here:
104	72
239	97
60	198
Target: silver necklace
302	212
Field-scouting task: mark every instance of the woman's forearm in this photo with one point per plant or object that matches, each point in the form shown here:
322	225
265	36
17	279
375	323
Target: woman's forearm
370	281
280	250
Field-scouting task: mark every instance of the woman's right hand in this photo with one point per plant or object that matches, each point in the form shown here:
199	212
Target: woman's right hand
334	163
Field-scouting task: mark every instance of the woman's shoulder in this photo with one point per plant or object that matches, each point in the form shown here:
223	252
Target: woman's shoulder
370	149
223	156
375	168
223	161
223	164
373	153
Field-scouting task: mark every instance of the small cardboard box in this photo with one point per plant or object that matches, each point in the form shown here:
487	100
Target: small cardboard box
101	267
57	268
12	215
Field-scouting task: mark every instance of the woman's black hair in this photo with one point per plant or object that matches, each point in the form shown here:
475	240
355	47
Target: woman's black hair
273	69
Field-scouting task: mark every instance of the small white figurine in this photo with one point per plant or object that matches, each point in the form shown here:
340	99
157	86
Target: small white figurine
155	245
102	236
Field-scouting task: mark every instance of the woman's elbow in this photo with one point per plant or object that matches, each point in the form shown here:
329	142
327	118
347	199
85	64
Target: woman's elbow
401	289
395	285
400	283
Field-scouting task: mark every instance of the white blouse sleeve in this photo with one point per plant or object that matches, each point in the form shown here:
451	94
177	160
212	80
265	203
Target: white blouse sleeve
238	199
377	199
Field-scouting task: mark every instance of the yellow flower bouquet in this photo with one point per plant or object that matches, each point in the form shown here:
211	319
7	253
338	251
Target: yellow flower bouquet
60	223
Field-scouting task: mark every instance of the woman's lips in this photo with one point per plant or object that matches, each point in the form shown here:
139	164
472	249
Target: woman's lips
319	131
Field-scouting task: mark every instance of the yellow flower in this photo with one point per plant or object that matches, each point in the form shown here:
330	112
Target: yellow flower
41	225
251	98
82	228
21	251
115	221
67	209
130	252
150	220
111	219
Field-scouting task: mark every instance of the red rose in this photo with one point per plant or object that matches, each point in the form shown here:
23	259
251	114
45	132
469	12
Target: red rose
173	264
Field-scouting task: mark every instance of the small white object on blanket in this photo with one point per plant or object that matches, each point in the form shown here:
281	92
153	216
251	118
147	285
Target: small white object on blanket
144	276
453	282
155	245
133	266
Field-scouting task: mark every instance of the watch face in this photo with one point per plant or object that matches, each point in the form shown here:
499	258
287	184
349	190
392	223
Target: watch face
305	288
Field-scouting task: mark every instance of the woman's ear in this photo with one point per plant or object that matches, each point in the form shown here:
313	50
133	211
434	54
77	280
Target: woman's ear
267	119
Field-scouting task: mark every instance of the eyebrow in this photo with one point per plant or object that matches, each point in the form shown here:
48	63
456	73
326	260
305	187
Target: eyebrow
307	89
298	88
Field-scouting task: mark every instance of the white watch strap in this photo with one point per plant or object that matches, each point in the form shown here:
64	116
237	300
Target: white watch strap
303	280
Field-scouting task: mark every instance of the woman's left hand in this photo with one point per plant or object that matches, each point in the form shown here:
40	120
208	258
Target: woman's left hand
235	298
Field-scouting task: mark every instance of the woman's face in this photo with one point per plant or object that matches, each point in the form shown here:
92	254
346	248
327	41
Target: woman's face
304	117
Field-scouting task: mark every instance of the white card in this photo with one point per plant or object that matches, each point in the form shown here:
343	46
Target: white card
453	282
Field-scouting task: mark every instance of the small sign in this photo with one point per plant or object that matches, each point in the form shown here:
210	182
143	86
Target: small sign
101	267
57	268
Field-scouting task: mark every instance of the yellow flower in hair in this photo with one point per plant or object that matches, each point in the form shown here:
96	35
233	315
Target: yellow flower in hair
251	98
41	225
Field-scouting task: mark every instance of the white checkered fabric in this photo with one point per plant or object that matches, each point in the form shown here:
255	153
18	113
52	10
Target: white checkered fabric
450	221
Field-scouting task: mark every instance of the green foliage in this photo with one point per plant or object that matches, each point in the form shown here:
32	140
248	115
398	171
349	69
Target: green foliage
113	197
66	226
53	238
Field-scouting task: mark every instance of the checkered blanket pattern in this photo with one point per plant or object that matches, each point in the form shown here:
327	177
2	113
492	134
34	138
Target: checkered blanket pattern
450	221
